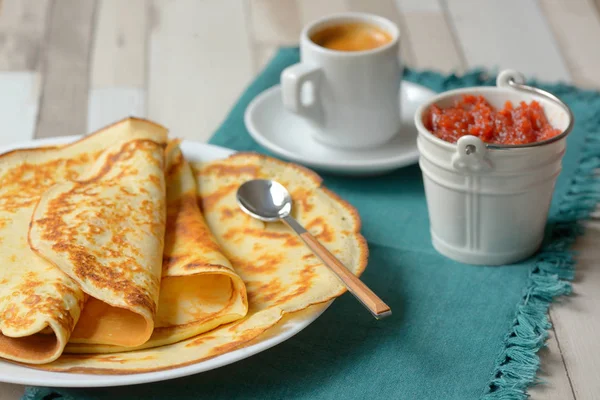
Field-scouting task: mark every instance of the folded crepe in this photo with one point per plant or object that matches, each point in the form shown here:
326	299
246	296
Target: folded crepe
113	222
199	289
105	231
281	274
277	267
41	304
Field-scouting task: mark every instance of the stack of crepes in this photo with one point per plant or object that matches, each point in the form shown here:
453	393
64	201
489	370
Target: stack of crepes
119	256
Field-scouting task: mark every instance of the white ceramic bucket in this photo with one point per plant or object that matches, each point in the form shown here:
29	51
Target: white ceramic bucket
488	204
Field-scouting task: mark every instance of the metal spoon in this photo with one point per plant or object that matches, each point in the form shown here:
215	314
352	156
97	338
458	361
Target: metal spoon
270	201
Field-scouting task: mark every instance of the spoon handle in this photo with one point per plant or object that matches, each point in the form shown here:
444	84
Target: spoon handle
355	286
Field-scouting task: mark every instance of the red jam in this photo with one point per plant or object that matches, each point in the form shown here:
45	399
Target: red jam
473	115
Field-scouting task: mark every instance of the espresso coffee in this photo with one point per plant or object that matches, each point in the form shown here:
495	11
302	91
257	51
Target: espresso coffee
352	91
353	36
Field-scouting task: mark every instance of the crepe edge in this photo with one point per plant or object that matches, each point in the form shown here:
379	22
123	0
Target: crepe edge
231	346
214	321
44	149
61	337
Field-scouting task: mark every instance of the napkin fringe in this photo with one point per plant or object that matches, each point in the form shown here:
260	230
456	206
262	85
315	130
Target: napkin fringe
518	363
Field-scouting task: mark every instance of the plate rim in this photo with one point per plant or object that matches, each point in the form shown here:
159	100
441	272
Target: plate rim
78	380
357	166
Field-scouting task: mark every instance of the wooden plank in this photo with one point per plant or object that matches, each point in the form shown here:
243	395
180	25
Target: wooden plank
18	106
272	23
507	34
311	10
430	37
263	52
22	27
119	47
575	320
200	61
108	105
576	26
63	108
555	381
389	10
8	391
275	21
118	63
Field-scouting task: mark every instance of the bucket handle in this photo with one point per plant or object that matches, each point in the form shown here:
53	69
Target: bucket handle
471	155
510	78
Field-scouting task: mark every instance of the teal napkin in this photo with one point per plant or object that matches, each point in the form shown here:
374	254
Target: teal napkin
457	332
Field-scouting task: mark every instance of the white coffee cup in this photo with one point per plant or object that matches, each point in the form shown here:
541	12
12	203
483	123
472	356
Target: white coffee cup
351	98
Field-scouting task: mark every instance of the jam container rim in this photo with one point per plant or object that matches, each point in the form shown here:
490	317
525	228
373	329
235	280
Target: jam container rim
507	81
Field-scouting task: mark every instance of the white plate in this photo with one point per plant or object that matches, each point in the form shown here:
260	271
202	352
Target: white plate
14	373
288	136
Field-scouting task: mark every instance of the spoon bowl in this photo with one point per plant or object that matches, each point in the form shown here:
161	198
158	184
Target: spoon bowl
264	199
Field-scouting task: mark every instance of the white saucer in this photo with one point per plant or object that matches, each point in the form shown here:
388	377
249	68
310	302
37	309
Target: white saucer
288	136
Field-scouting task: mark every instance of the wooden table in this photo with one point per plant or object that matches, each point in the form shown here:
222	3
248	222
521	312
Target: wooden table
71	66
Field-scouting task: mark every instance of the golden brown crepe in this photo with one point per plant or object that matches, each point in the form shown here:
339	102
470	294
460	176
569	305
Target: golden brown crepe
199	289
190	351
280	273
40	304
278	269
105	230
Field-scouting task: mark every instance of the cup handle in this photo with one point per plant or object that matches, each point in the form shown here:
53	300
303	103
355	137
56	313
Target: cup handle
292	80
